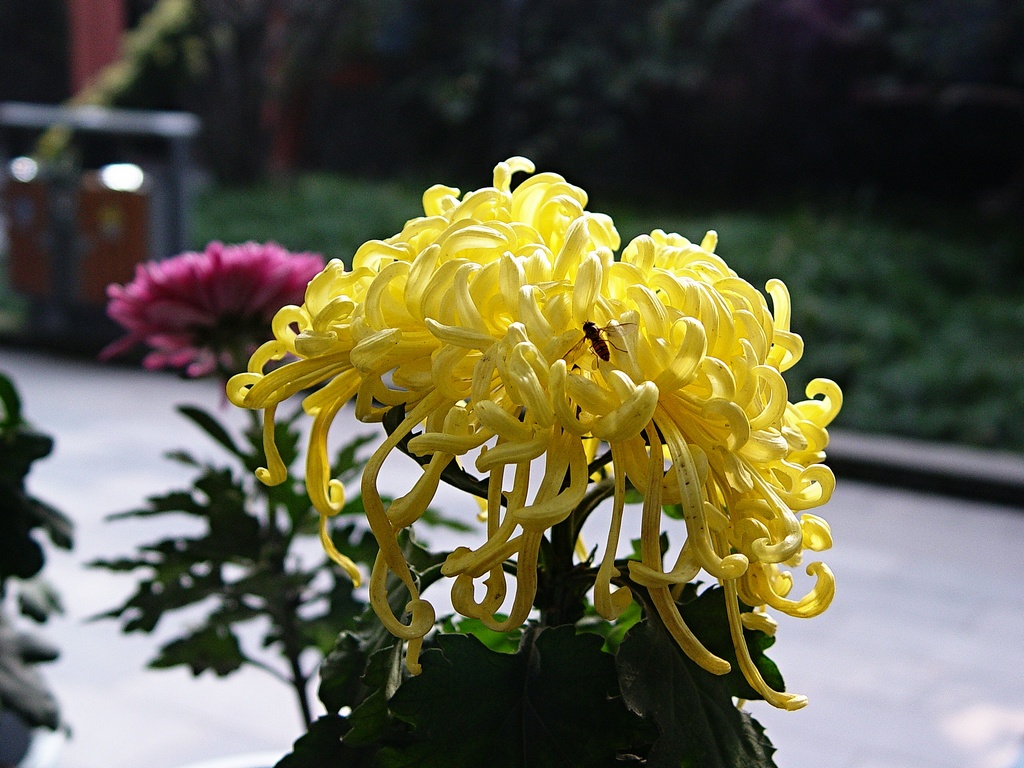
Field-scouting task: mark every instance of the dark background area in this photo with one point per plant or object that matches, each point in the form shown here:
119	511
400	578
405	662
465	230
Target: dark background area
688	99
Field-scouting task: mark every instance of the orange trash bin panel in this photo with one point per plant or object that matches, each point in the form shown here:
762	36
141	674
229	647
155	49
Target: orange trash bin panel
113	229
30	268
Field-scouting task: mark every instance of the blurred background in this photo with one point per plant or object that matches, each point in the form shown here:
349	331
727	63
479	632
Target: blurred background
870	153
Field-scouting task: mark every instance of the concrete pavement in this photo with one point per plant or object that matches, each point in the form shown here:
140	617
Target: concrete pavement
916	664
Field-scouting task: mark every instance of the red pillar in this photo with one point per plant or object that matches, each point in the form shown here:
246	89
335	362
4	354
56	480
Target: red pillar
95	31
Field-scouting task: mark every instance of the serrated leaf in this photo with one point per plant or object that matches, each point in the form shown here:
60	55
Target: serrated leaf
371	718
211	427
341	673
553	703
502	642
706	615
613	632
57	525
22	688
213	648
437	519
347	463
38	599
321	747
698	722
11	402
175	501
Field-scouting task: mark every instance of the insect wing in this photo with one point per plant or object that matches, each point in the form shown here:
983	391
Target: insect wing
616	335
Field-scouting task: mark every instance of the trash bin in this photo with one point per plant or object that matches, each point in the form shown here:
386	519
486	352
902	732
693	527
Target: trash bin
27	210
113	233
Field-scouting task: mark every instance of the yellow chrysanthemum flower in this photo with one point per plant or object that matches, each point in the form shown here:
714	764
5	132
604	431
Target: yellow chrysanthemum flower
502	323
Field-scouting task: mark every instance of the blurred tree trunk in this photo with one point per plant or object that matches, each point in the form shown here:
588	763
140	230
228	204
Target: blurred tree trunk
263	56
230	97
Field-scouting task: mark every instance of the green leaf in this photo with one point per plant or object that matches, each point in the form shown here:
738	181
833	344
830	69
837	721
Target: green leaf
502	642
699	724
57	525
633	496
355	542
637	544
706	615
613	632
347	463
175	501
212	427
437	519
425	563
213	648
20	553
172	585
674	511
553	703
18	450
21	687
183	457
11	402
321	747
38	599
341	673
371	719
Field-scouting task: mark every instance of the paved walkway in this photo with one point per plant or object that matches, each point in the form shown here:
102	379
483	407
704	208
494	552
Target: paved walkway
916	665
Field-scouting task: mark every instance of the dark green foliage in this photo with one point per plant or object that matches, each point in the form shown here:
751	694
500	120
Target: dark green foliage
552	703
915	313
697	98
20	513
328	215
557	699
699	725
213	648
596	693
22	689
503	642
706	615
571	689
243	565
321	746
717	98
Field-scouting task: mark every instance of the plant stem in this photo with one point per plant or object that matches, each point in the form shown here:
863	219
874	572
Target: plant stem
283	607
299	683
558	596
562	584
283	612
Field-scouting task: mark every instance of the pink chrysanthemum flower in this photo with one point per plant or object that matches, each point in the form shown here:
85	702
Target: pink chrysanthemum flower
201	311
